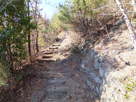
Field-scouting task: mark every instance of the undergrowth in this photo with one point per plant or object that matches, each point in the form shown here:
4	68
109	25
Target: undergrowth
3	75
129	87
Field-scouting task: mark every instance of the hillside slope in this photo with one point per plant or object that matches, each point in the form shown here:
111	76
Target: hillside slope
111	66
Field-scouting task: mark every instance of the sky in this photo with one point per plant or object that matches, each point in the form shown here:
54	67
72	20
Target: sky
49	7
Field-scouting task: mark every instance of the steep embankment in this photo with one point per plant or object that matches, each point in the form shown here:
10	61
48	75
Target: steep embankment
111	68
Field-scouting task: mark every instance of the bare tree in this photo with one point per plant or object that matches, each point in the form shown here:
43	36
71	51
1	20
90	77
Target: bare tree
29	35
134	7
36	14
36	21
128	23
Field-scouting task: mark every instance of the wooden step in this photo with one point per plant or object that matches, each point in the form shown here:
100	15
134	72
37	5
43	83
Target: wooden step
49	60
45	60
47	56
48	52
53	48
40	61
56	45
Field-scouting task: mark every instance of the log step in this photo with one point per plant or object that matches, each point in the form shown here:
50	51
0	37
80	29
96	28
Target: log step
56	45
47	56
48	52
53	48
45	60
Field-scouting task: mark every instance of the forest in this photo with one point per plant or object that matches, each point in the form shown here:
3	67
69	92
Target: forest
32	47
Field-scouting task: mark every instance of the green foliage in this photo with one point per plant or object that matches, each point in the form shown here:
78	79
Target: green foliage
130	86
14	25
56	23
75	13
65	14
126	96
77	9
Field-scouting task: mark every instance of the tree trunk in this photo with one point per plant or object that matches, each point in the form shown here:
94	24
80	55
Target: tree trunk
9	52
29	45
37	37
134	8
29	35
36	21
128	23
134	5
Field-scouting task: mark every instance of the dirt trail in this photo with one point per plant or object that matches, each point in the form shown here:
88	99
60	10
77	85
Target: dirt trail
57	79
